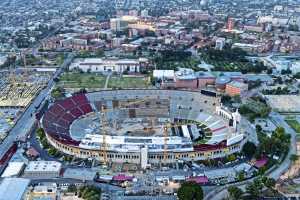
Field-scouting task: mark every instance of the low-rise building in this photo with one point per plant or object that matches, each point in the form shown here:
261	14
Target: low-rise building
45	191
220	43
42	169
13	169
13	188
236	88
187	78
250	48
110	65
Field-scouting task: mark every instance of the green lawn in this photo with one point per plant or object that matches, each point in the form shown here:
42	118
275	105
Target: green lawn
294	124
80	80
128	82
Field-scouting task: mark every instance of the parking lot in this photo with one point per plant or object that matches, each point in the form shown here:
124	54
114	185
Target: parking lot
8	117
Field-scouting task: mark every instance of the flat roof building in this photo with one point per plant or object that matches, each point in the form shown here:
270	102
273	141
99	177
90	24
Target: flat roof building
45	169
163	74
236	88
13	188
110	65
13	169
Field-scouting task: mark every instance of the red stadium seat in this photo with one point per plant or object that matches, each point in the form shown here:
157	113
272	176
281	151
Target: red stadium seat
59	117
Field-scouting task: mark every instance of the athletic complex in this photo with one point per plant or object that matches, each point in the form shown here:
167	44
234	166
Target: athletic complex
144	127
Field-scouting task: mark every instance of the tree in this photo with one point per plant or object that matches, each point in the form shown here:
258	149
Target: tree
225	99
52	151
294	158
58	93
241	176
99	53
235	193
190	191
297	75
40	133
231	158
268	182
89	193
254	84
293	27
254	189
72	188
249	149
258	128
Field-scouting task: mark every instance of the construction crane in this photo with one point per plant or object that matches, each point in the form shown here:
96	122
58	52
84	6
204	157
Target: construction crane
104	124
165	153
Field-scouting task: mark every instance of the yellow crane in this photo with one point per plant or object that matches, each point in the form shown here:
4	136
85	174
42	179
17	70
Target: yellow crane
104	123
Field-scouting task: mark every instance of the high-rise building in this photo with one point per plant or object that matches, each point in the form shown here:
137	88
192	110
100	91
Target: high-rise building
115	24
230	24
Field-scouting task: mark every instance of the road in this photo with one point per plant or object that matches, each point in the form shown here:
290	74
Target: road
221	192
27	120
34	142
105	187
279	121
107	80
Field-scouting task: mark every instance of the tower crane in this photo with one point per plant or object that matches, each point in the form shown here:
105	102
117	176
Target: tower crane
104	123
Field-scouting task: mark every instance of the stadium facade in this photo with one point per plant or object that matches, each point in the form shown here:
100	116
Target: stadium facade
199	127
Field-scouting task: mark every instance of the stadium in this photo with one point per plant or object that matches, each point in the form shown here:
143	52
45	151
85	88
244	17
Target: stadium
144	126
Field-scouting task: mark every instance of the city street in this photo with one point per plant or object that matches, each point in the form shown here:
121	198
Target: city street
221	192
27	120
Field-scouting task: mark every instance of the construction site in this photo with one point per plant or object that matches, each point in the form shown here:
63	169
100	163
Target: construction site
18	90
143	127
18	87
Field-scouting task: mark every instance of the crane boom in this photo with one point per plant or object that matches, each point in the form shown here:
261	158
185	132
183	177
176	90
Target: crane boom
103	122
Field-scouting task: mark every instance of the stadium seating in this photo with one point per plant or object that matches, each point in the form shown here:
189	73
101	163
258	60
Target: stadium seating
60	115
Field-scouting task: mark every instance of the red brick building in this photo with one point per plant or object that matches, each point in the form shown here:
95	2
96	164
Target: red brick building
236	88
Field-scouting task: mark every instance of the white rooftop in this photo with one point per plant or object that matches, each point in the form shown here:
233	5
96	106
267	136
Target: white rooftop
13	169
100	61
129	143
44	166
163	73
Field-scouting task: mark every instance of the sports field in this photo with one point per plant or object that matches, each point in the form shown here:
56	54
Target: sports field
88	80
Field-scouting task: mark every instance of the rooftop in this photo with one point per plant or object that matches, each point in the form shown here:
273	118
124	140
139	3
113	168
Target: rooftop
13	169
13	188
237	84
43	166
